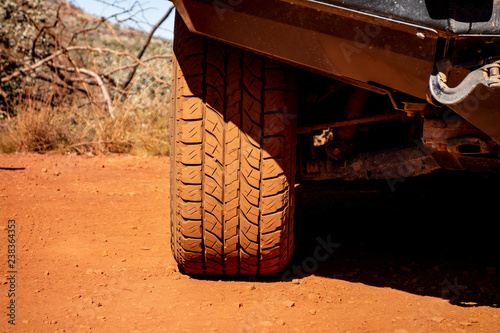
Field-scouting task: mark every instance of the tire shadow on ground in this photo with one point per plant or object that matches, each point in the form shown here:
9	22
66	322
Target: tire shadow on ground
433	235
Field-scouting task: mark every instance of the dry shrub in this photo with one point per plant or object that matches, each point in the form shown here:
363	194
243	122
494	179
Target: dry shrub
33	129
140	127
64	85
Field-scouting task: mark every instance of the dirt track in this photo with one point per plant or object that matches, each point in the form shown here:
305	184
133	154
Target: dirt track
93	255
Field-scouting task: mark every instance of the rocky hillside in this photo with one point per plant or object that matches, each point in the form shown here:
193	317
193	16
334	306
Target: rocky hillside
32	30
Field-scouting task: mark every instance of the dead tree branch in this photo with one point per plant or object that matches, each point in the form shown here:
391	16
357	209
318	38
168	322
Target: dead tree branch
100	83
144	47
58	53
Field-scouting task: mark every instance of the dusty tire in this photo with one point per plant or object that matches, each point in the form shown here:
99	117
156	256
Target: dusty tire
232	159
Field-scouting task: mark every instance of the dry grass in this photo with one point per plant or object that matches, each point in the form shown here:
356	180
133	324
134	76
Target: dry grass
140	127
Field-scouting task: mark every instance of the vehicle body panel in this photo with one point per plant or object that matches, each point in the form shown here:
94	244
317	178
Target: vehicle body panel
390	44
335	41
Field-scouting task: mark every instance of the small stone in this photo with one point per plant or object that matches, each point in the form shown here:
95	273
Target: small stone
145	248
44	170
289	304
266	323
123	260
89	271
46	273
280	322
250	288
313	297
88	300
465	323
57	173
171	269
101	318
312	311
296	281
437	319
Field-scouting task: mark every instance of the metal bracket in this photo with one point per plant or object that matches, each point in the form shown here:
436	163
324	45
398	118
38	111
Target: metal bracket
488	75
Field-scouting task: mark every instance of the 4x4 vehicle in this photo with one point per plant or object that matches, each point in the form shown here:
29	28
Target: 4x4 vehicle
267	91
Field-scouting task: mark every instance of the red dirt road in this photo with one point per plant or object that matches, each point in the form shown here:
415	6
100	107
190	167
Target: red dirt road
93	255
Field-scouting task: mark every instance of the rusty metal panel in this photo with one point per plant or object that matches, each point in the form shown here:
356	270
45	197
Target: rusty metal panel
453	134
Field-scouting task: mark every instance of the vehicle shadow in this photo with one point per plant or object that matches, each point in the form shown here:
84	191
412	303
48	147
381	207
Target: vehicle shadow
433	235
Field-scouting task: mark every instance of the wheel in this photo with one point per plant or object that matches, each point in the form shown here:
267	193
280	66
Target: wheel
233	138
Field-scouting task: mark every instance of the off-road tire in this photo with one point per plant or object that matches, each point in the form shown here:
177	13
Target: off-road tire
233	134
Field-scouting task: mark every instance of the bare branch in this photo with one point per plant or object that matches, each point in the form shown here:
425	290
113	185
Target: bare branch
58	53
3	94
135	64
101	85
103	89
145	45
28	68
42	29
57	59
